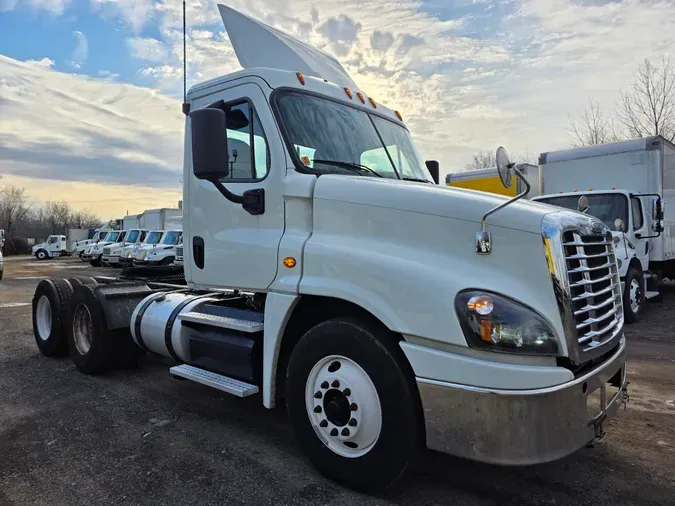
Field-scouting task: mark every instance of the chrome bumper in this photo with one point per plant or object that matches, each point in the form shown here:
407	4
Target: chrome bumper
521	427
110	259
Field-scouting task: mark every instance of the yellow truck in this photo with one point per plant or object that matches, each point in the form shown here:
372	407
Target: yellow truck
487	180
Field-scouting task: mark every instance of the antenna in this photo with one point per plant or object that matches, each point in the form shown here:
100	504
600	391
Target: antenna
186	106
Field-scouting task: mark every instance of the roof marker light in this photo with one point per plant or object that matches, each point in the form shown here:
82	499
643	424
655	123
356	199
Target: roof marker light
398	115
349	93
590	189
301	78
361	97
372	102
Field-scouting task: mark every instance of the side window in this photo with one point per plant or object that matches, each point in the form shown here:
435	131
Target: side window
246	144
378	160
53	240
636	209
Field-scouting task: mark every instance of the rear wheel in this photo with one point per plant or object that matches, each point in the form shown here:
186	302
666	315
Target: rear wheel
93	348
352	404
51	316
633	295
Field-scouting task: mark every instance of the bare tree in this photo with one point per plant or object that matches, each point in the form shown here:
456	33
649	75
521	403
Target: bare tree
56	215
482	160
14	208
648	106
592	127
84	219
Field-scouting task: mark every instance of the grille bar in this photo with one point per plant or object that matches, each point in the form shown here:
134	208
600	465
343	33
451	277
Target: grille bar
587	295
582	256
589	336
581	243
590	269
599	319
585	282
591	307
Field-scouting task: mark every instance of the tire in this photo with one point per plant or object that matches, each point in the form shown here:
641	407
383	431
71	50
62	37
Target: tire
96	262
82	280
41	254
80	254
364	349
634	278
93	348
51	316
167	261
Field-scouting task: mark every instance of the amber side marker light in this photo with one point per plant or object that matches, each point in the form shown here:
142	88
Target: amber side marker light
349	93
398	115
289	262
372	102
361	97
301	78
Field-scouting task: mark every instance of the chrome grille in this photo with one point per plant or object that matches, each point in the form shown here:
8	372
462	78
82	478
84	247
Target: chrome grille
179	252
106	251
595	287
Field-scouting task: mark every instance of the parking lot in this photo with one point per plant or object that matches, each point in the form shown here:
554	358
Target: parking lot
139	437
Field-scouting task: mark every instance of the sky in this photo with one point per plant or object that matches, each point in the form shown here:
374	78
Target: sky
90	90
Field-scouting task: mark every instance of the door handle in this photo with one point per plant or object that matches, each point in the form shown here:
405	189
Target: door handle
198	251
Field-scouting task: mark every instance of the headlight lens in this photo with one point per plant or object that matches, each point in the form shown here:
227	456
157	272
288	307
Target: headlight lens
496	323
144	255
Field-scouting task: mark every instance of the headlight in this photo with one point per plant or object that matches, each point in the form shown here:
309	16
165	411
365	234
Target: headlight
496	323
143	255
619	263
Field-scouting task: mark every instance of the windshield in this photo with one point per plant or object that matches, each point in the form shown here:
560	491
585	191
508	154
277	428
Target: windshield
321	129
132	235
112	236
153	237
171	237
606	207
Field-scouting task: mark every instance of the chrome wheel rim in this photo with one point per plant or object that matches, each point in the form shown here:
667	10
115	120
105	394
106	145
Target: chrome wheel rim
82	329
635	295
43	318
343	406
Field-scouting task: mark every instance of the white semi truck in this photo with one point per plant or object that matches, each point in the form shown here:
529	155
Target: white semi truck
164	252
630	186
78	247
385	311
113	252
94	252
55	246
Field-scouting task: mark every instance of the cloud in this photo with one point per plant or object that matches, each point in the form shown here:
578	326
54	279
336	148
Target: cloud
148	49
107	74
44	63
381	41
81	51
135	13
340	29
67	127
53	6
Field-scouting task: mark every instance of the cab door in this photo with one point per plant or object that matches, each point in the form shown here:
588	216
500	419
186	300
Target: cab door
641	232
227	246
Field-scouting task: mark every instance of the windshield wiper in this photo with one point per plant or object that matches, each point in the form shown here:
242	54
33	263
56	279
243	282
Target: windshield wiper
417	179
356	167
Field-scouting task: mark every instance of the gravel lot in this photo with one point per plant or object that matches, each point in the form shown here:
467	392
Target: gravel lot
142	438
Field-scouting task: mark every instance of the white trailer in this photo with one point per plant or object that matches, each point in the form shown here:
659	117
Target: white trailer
154	219
333	274
132	221
630	186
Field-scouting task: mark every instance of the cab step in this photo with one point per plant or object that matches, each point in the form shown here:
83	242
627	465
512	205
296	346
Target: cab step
214	380
223	322
651	295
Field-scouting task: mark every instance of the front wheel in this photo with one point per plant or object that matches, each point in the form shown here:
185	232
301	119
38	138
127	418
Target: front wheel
353	403
633	295
41	254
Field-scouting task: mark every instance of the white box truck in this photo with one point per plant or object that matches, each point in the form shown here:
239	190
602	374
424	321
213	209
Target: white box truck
154	219
329	271
630	186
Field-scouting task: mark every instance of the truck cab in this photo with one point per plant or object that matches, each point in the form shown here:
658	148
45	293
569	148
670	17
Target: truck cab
78	248
54	246
132	252
327	270
94	252
113	252
164	252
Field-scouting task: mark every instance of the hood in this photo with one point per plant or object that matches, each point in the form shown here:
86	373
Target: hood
445	201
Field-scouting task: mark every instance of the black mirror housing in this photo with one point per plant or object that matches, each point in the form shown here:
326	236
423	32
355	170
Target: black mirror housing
434	169
209	144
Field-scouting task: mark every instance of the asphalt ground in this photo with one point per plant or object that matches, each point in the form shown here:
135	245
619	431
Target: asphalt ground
139	437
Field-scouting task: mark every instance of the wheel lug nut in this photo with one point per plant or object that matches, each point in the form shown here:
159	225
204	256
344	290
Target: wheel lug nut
324	385
335	384
347	391
352	422
353	406
334	432
318	409
318	395
345	431
323	423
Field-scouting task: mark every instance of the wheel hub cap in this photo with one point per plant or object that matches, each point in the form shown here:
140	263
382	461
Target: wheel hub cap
43	318
343	406
82	329
635	295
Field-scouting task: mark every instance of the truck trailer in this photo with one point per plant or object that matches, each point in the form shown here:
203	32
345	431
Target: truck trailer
487	180
630	186
386	312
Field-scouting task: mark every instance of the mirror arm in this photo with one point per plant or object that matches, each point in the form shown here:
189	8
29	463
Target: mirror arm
232	197
508	202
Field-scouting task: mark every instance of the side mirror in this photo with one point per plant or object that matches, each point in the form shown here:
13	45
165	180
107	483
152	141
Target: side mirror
209	144
657	226
434	169
504	167
583	205
657	209
619	225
